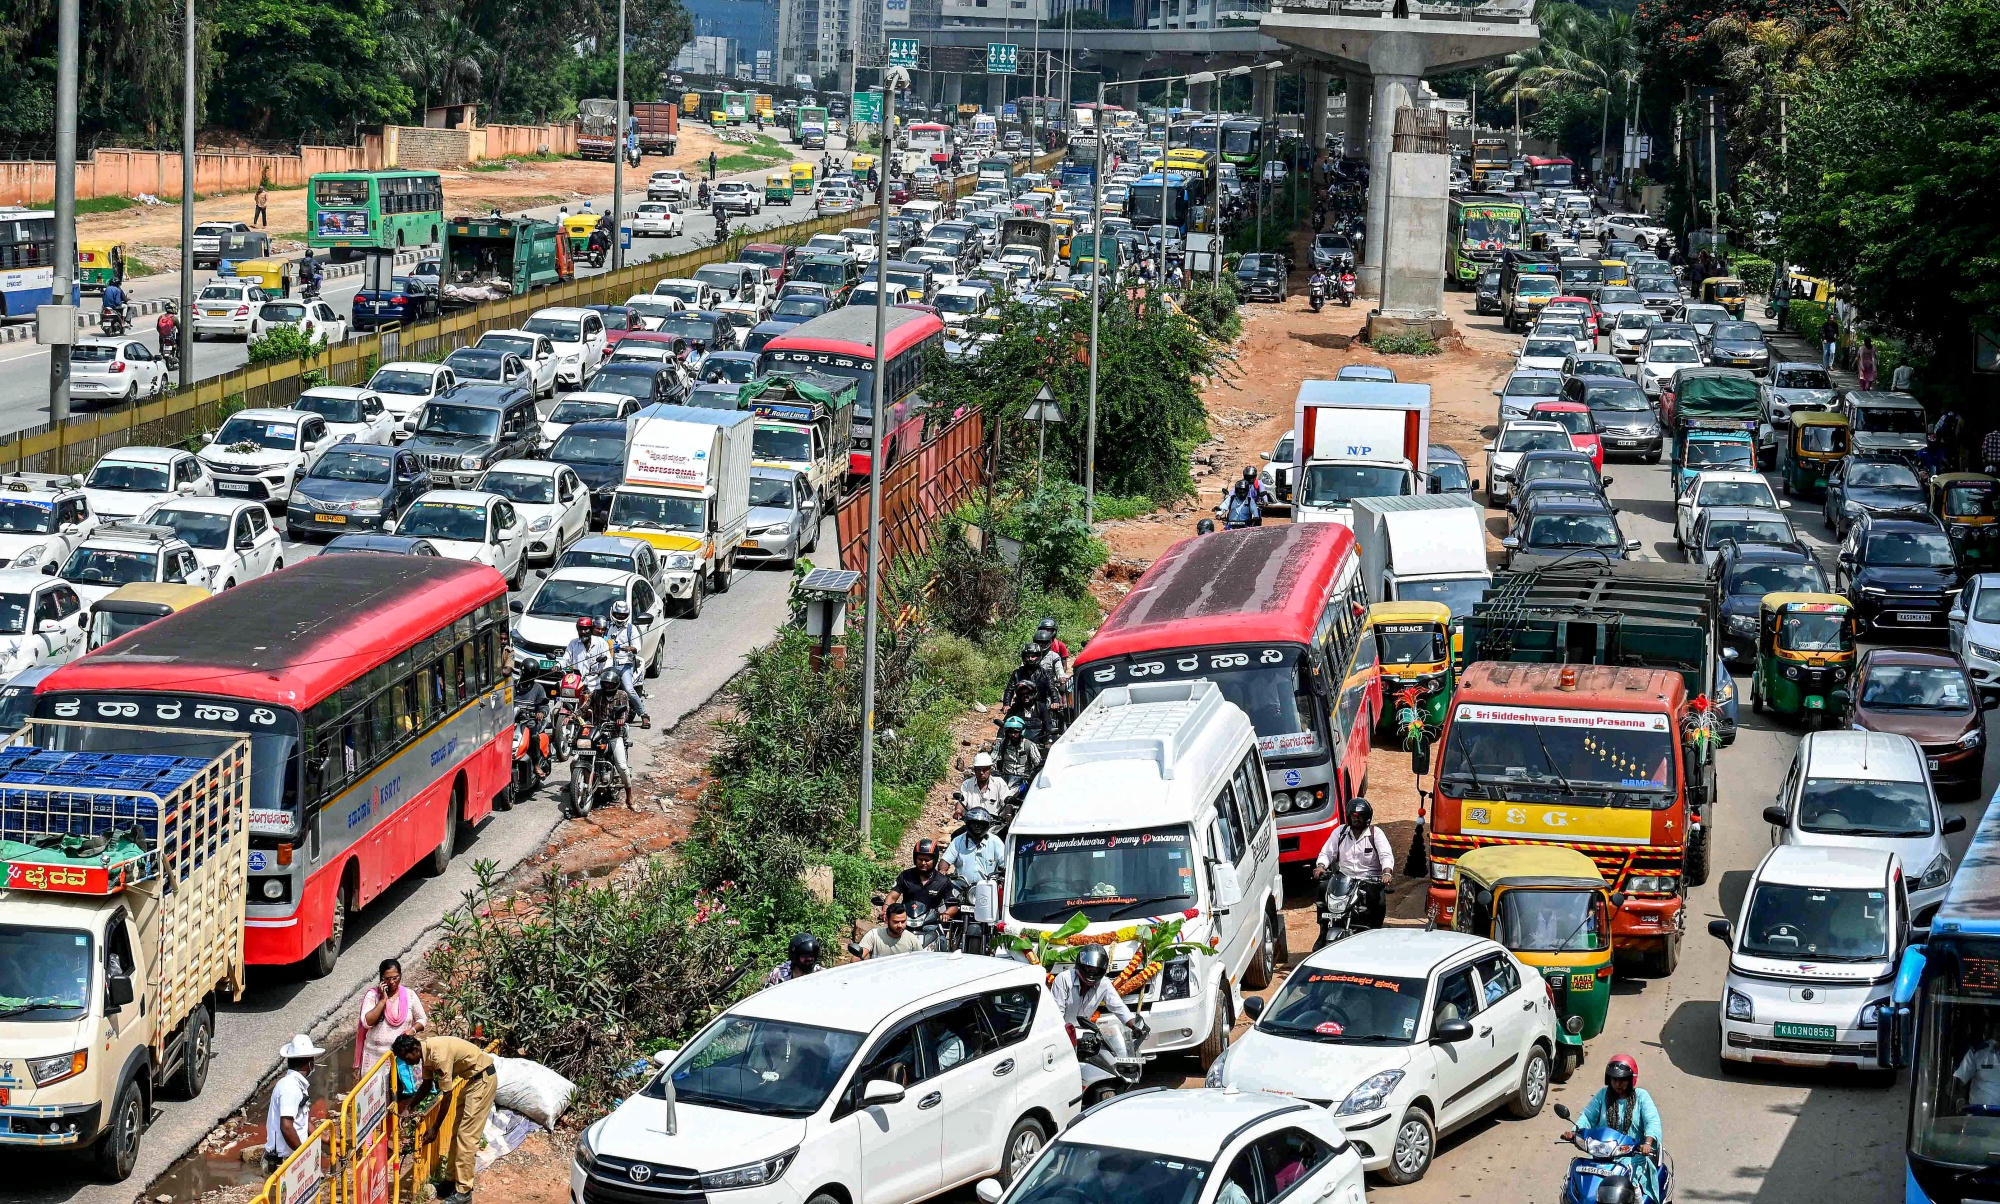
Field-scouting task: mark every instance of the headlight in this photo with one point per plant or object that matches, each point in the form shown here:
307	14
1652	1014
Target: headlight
1738	1007
586	1149
46	1071
678	560
1871	1012
1743	624
1840	673
1728	691
469	461
274	888
1371	1094
1874	589
30	558
1177	980
1981	650
543	523
368	505
1281	802
1850	507
750	1174
1937	873
1791	672
1654	883
1216	1072
1972	739
1440	871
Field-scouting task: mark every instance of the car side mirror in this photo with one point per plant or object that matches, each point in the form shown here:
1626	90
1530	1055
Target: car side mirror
1475	483
118	991
989	1191
1420	760
1451	1032
881	1091
1954	823
517	606
1776	817
1955	615
1729	654
1605	482
1488	449
1721	931
1631	545
49	569
665	1057
208	436
388	526
1225	889
1510	542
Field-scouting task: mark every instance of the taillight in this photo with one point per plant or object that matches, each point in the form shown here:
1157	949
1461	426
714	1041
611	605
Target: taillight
119	366
399	300
242	311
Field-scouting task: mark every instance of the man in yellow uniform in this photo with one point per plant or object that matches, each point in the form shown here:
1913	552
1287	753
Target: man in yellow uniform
446	1062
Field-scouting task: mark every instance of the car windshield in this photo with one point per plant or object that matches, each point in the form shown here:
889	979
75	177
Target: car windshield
333	409
562	598
1672	353
1574	530
1970	501
1737	332
1719	453
1551	921
477	365
1735	493
765	1067
1336	484
589	447
771	491
799	307
360	467
128	478
1515	439
1410	643
1557	752
1816	924
728	371
1536	286
633	511
401	382
629	382
1757	580
1877	475
441	418
209	532
1345	1007
1576	422
960	303
688	292
1102	875
1632	320
784	444
1520	385
27	518
257	432
823	271
1889	420
1557	349
110	566
617	317
1801	378
578	410
689	326
1619	296
720	278
1917	549
512	343
1814	631
533	488
462	521
1447	476
44	972
1560	468
562	330
1749	530
1917	687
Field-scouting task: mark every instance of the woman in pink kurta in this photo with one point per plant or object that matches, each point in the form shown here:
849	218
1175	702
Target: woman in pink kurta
388	1010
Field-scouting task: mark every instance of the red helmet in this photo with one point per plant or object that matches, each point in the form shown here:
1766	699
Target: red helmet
1621	1067
585	625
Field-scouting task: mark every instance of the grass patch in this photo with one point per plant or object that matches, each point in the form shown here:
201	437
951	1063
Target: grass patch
489	165
1406	344
1111	508
105	204
138	267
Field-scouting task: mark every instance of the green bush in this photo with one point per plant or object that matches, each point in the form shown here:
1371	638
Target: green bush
1214	307
1058	550
1406	344
1755	271
1109	508
1805	317
281	343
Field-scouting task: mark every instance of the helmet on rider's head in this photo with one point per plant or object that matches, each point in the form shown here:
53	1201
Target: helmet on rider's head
804	948
1030	652
586	626
982	760
924	848
620	611
1621	1071
1092	963
1014	724
1360	813
978	817
609	680
1249	473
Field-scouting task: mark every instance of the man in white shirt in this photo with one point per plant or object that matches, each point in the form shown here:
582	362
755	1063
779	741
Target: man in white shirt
1979	1072
1360	850
975	854
1080	991
289	1118
982	789
589	653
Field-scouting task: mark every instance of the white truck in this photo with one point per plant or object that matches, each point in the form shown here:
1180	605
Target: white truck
687	492
1425	547
1357	438
121	928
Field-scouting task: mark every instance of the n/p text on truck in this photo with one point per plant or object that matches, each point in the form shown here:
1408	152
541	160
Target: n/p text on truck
687	492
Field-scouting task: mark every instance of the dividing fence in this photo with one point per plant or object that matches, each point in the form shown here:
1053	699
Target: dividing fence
371	1152
916	492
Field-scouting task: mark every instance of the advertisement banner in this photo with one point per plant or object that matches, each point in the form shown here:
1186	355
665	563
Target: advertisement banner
896	15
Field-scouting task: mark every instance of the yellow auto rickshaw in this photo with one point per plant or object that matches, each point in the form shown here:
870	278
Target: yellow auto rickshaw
1727	291
276	277
1805	657
861	165
99	264
1065	227
1616	273
130	607
1967	503
577	228
802	178
1550	906
1816	442
778	187
1413	644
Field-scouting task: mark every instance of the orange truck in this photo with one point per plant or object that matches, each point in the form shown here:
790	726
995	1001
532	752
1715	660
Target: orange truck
1583	718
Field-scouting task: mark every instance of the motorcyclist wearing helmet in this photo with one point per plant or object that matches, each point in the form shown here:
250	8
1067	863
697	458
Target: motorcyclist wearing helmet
623	636
1055	653
1017	758
609	703
1085	987
975	854
801	959
1031	671
1623	1105
1035	715
923	883
983	788
589	653
169	328
1359	850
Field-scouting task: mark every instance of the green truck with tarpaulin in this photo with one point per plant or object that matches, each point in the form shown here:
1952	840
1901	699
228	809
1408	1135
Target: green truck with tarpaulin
805	422
1713	399
493	258
1086	251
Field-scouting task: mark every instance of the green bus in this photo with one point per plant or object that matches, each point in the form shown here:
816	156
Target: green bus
347	211
1480	232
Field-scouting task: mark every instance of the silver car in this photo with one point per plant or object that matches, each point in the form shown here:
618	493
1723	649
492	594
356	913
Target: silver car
784	519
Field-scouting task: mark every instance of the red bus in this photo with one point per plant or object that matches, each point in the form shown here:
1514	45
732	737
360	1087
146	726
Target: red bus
1550	173
376	693
1275	616
843	343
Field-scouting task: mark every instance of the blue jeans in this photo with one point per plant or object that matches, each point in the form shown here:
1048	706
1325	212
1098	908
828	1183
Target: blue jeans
1826	354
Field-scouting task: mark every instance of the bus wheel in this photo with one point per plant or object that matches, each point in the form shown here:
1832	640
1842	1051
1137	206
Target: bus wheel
328	953
440	859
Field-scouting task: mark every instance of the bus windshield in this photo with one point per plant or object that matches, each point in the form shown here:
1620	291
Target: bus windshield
1955	1084
1621	758
1269	684
162	724
1104	875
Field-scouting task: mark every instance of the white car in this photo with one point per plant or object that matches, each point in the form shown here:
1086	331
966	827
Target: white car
1659	360
1974	621
585	406
1628	333
261	454
234	539
1870	790
579	338
1517	439
735	196
657	219
862	239
352	415
1172	1147
550	498
1812	957
315	320
886	1081
406	385
42	621
1405	1036
121	369
121	553
692	293
42	516
1562	327
668	184
548	619
654	308
828	244
960	304
231	308
123	484
1721	488
537	353
464	524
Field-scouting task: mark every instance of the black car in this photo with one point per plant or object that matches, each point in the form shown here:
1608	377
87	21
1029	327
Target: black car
1486	294
381	545
649	382
1736	345
354	487
596	450
1627	423
1565	524
1899	573
1262	277
1449	473
1572	467
469	427
704	329
409	300
1749	571
1879	485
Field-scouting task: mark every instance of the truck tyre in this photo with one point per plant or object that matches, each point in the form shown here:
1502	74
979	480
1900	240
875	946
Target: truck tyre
118	1149
697	596
1661	962
1695	863
197	1051
724	569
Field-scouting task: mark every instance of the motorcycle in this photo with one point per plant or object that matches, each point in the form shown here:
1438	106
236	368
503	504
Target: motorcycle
534	757
1599	1178
116	320
568	692
594	778
1316	295
1347	288
1108	1055
1343	901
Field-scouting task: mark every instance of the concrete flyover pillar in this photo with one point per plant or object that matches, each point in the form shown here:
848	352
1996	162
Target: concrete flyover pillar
1397	62
954	89
1264	96
996	93
1317	126
1198	98
1354	135
1128	96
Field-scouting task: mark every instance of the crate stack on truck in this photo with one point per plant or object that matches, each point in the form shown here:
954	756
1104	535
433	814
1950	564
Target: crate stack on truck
121	915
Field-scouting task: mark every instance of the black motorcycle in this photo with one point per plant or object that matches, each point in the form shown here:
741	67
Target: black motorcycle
534	753
1347	906
594	778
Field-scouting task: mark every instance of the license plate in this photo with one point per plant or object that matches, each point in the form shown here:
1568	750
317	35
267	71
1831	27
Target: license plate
1805	1032
1912	616
332	518
232	487
1930	763
1815	703
749	543
1624	443
1582	982
215	313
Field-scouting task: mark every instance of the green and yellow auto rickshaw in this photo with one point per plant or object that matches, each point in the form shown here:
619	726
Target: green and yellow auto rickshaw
577	228
1805	657
778	187
1550	906
1413	640
1816	442
1727	291
99	264
1968	505
277	277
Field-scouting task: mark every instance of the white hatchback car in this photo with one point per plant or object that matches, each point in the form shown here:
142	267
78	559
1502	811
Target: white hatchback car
352	415
1404	1035
548	619
231	308
657	219
579	338
42	516
551	499
316	320
1659	360
1194	1147
41	621
464	524
261	454
234	539
1517	439
126	482
406	385
885	1081
122	369
1721	487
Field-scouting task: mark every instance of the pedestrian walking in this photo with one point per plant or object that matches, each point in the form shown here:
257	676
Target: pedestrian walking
261	218
1829	343
1989	450
447	1062
289	1117
388	1010
1900	381
1864	363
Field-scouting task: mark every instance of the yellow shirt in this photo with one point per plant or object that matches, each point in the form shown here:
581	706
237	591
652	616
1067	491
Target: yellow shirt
448	1059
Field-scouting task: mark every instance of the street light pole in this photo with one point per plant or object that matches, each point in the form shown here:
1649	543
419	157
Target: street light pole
185	327
877	464
62	296
1096	279
618	155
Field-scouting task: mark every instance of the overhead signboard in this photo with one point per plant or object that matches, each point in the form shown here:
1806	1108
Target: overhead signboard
903	51
1002	58
868	107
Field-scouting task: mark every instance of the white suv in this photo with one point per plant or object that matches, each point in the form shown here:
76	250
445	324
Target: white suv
1405	1036
878	1082
734	196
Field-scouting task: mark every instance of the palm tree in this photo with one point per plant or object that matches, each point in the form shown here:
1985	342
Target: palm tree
1580	52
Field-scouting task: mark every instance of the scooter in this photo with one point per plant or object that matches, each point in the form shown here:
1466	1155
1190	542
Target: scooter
1343	901
1347	288
568	692
1599	1178
534	756
1108	1055
1316	296
116	320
